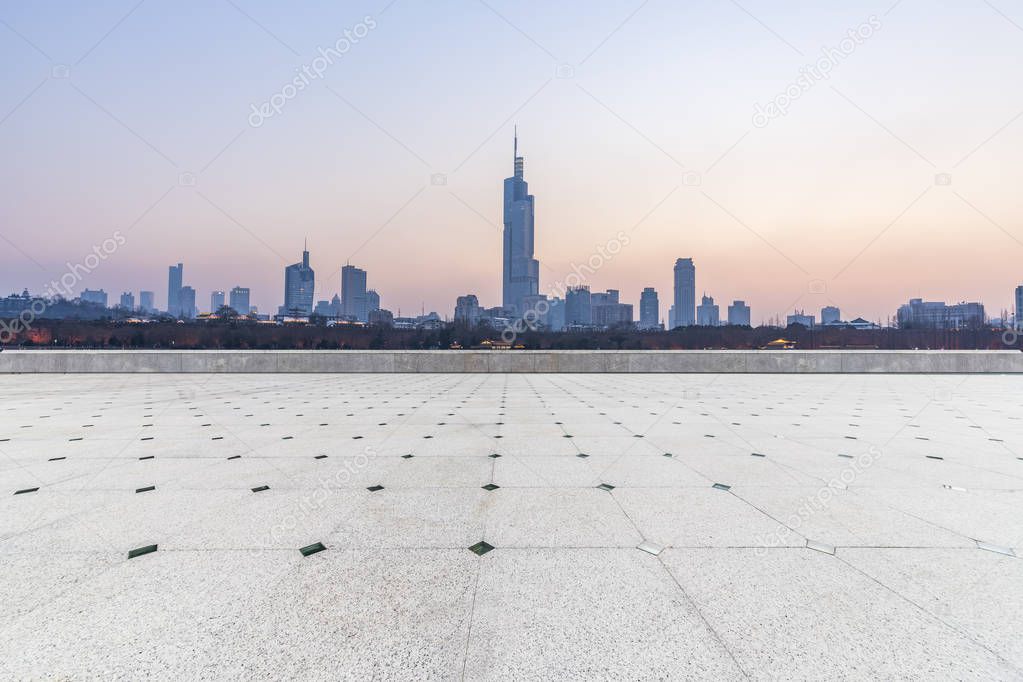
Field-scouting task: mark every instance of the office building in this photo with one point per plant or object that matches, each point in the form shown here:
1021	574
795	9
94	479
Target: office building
606	310
830	315
920	314
554	320
372	301
739	314
577	307
708	313
1019	307
353	294
239	300
685	293
147	302
467	310
217	301
174	280
299	282
127	301
95	296
326	309
649	309
186	302
799	317
521	271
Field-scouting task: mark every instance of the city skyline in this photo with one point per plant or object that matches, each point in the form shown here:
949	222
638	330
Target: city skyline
859	196
522	296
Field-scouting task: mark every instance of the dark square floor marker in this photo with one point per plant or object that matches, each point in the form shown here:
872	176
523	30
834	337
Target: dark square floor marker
260	489
25	491
721	486
140	551
481	548
407	456
491	486
146	489
320	457
606	486
375	488
312	549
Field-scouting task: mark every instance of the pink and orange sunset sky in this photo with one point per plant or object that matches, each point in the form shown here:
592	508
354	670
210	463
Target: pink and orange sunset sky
893	171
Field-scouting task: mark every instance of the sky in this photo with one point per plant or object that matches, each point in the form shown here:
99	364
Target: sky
798	166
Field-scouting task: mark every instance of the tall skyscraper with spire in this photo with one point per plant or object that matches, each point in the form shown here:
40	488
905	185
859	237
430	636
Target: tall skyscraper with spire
299	282
521	269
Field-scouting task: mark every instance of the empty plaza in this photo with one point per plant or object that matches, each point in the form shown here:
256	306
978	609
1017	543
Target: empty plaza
493	526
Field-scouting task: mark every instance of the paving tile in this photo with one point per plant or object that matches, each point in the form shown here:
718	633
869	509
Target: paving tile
975	592
592	597
763	607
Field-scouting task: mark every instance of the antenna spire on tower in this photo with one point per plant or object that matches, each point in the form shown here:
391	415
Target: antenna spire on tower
516	141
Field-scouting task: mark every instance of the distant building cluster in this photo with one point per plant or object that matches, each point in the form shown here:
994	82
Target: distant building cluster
920	314
570	305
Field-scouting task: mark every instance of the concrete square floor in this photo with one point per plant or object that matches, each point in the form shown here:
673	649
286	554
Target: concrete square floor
643	526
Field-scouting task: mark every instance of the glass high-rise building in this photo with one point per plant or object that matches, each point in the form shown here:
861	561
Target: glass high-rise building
299	281
127	301
353	293
467	310
685	293
174	275
707	313
578	306
1019	307
521	271
217	300
739	314
186	302
239	300
649	309
147	301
